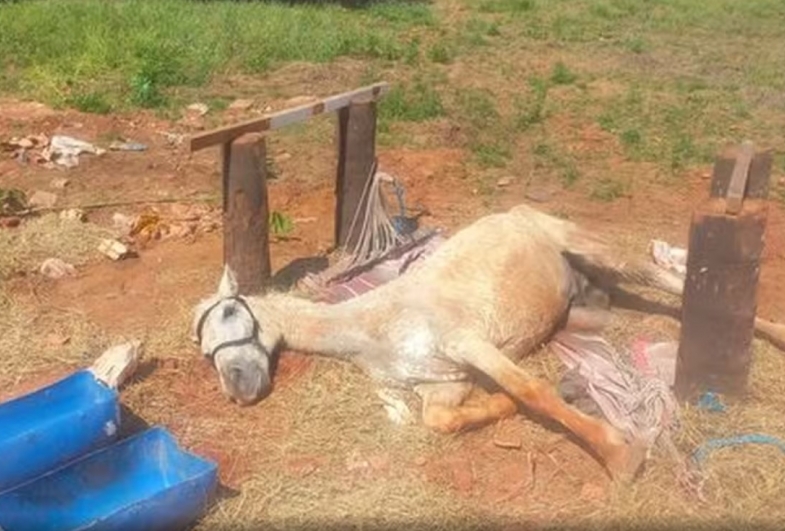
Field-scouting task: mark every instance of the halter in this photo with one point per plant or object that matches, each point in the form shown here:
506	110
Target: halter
253	338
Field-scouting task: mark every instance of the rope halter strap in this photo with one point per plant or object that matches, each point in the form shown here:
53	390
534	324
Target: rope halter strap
253	338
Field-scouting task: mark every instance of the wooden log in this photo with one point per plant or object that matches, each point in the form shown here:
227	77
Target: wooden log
356	139
723	267
276	120
246	214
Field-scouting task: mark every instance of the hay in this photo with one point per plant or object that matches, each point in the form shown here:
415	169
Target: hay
48	236
30	340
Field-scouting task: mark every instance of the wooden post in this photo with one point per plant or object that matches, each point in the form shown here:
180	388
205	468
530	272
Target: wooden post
246	217
723	266
356	139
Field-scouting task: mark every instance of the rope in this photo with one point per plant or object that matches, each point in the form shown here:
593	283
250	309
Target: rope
377	235
702	451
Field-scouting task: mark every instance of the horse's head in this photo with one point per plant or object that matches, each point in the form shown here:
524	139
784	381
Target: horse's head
229	334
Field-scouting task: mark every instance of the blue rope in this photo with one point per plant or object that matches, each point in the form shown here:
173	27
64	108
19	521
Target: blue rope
703	450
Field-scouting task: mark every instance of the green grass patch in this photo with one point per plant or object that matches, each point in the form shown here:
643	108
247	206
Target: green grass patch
561	75
133	52
413	102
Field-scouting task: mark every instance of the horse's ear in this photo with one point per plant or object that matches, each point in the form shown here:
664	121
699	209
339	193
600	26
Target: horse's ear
228	285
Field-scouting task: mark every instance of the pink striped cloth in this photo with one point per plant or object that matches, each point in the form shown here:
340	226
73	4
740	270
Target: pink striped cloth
337	284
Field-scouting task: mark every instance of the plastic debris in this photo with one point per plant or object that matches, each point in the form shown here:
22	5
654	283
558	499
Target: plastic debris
65	150
113	249
56	268
200	109
672	258
127	146
73	214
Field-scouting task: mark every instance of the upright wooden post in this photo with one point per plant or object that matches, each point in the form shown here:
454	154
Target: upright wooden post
246	218
723	266
356	139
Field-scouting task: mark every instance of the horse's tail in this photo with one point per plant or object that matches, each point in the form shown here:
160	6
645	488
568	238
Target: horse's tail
595	258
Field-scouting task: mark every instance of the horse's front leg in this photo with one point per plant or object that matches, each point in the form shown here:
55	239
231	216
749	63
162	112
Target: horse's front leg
622	459
443	407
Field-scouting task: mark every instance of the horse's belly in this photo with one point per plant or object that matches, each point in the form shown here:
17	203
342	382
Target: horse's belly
412	357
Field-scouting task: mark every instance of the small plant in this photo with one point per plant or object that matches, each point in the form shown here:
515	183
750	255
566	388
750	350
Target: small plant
145	92
441	53
92	102
491	154
280	224
507	6
414	103
570	174
532	112
608	190
631	137
636	45
561	75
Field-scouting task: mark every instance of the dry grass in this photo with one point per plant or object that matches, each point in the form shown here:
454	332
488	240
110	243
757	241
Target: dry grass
48	236
31	341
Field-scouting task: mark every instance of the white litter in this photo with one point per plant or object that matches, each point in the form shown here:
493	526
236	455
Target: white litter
65	150
671	258
56	268
117	364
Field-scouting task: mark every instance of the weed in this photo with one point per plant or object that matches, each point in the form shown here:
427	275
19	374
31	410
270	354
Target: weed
145	93
92	102
570	174
280	224
608	190
441	53
561	75
412	103
636	45
507	6
493	154
631	137
533	110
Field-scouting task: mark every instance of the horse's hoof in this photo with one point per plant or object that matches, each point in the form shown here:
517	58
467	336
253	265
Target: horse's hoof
625	464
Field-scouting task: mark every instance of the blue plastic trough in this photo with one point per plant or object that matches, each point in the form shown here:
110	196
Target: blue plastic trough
50	427
145	482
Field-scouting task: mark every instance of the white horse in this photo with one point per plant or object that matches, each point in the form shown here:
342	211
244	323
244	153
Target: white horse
489	295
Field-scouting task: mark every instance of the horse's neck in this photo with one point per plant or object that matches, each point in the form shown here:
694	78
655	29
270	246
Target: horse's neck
339	330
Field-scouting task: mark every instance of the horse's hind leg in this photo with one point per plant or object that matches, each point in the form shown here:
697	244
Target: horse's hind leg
621	459
443	407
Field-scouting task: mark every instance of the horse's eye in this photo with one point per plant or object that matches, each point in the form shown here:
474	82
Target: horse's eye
228	311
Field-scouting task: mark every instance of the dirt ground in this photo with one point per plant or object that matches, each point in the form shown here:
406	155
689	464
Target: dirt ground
320	449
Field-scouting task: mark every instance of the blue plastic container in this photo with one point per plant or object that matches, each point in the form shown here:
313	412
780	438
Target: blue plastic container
145	482
50	427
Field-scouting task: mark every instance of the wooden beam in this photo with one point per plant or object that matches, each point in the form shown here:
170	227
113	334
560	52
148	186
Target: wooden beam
720	293
356	139
276	120
738	180
246	214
